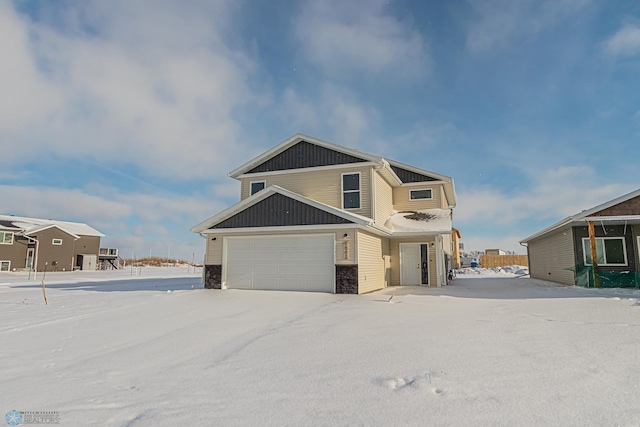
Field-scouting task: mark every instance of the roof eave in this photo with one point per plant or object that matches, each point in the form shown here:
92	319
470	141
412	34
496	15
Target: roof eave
292	141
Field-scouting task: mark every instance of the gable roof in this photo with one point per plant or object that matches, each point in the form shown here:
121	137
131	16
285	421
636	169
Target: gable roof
26	225
306	151
264	204
597	213
39	228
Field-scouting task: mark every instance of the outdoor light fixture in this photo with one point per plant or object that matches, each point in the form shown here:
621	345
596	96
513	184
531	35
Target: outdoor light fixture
345	235
214	238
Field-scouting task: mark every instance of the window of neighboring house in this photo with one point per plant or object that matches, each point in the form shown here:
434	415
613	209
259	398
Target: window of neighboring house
56	242
6	238
420	194
5	265
257	186
609	251
351	190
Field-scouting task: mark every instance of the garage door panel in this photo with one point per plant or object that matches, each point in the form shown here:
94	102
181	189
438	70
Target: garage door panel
297	263
291	284
265	269
266	282
293	257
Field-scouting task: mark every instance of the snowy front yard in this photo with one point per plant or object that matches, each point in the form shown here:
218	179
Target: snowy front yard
485	351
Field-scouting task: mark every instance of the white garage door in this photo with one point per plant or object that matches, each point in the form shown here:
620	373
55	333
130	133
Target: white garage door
292	263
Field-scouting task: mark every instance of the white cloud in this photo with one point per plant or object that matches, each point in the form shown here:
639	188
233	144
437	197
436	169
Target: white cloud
156	217
27	95
498	23
625	42
554	195
336	112
152	84
361	37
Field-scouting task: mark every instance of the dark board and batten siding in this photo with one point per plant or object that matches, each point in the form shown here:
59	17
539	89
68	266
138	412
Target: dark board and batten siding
409	176
305	155
280	211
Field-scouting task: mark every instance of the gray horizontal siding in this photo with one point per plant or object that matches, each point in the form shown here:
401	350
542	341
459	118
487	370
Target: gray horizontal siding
305	155
278	211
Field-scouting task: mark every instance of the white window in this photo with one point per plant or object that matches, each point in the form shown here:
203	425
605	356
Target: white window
257	186
6	238
609	251
5	265
56	242
425	193
351	190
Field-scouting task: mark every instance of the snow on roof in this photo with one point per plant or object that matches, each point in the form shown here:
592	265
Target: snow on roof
29	224
433	221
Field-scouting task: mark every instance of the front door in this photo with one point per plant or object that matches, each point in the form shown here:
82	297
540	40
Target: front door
30	252
414	264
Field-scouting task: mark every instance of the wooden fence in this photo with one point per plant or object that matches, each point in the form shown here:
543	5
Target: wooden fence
490	261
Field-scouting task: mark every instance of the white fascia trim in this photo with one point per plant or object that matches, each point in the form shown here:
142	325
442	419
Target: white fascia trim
386	167
606	205
584	215
314	169
46	227
294	140
251	200
611	218
292	228
419	233
422	184
555	227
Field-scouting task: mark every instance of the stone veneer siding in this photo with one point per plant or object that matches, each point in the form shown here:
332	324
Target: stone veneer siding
213	277
347	279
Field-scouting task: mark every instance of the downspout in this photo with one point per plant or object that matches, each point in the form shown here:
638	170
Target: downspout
439	260
35	260
204	259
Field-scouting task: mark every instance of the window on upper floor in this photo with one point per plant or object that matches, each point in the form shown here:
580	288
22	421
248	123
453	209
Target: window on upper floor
56	242
609	251
257	186
6	238
351	190
421	194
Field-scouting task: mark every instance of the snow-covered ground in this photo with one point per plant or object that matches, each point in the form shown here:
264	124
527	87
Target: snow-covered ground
507	271
484	351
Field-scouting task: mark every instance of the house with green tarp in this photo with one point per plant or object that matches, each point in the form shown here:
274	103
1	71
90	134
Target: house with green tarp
562	252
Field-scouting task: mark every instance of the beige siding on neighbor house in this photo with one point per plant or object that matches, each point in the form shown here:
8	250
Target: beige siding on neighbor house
403	202
552	257
346	250
394	246
383	199
371	261
324	185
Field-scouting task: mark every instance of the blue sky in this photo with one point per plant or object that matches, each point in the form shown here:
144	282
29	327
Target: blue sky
128	115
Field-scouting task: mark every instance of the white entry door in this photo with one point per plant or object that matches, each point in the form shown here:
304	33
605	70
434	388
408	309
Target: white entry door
293	262
410	271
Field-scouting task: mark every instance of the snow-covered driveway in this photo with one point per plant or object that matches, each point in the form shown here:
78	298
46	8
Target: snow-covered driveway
488	351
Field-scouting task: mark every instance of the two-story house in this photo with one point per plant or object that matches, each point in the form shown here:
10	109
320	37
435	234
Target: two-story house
30	243
315	216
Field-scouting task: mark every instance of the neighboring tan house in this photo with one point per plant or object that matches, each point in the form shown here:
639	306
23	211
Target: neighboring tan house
315	216
29	243
456	247
494	252
562	252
